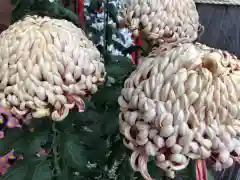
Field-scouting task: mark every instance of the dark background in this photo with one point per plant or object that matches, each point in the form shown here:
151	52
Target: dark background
5	14
222	26
222	30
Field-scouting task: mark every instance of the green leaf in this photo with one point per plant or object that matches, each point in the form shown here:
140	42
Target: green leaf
89	104
125	170
68	15
40	7
107	97
95	33
188	173
119	67
95	5
110	122
93	141
75	153
13	2
35	168
210	175
109	34
67	174
14	139
112	12
39	169
154	171
21	8
39	124
23	141
67	3
117	153
36	140
16	172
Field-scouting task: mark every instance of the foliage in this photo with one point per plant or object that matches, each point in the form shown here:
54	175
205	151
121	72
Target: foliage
102	25
41	7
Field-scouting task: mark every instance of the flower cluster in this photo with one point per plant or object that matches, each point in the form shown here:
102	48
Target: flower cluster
5	162
7	120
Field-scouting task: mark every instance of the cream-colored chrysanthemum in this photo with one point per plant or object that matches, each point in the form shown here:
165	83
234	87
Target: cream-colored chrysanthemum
162	21
46	65
183	105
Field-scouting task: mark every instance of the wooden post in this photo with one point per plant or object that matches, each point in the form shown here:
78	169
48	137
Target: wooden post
136	55
80	11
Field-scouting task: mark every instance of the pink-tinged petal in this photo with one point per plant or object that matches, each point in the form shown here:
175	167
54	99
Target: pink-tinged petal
11	153
1	134
43	152
20	157
27	119
17	112
80	103
3	168
72	99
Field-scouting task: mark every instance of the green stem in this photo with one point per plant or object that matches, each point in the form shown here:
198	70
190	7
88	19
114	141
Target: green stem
192	165
106	17
56	170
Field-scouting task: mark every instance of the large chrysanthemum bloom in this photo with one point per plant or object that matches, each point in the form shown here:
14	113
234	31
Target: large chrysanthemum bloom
184	105
162	22
47	65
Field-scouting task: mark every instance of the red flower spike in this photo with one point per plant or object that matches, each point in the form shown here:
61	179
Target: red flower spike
1	134
100	10
201	170
136	55
81	12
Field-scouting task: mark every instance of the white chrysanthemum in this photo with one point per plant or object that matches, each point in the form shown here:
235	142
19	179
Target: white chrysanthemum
162	21
46	65
183	105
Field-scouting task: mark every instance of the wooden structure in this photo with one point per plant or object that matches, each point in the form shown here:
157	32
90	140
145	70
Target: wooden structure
222	25
221	19
5	14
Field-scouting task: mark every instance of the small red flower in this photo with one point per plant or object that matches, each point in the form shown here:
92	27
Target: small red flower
100	10
1	134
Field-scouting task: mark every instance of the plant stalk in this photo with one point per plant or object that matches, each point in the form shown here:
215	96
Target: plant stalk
106	19
56	170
